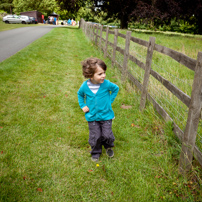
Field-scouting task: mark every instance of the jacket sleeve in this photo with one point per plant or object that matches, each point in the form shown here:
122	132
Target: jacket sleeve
114	91
81	97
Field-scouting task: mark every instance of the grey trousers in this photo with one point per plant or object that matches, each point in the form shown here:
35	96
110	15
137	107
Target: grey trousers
100	133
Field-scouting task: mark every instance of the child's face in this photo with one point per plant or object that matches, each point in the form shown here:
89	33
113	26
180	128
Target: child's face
99	76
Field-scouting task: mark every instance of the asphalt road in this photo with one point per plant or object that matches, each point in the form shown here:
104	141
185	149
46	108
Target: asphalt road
12	41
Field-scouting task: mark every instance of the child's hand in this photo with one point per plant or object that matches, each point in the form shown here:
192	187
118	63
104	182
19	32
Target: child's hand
85	109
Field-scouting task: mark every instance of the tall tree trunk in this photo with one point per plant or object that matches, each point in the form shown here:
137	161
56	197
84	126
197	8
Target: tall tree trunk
124	21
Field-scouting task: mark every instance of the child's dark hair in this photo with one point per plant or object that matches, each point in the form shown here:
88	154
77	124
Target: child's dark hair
90	65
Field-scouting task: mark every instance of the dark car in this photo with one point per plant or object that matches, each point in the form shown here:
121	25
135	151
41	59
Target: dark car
34	20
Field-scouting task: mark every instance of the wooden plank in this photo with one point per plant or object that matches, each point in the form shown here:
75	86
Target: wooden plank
179	57
147	72
172	88
111	32
122	35
119	66
140	41
198	155
158	108
114	47
178	132
111	44
105	50
194	113
136	61
135	81
119	49
126	54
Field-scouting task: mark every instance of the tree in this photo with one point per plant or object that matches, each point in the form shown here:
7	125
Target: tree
70	6
6	5
191	11
120	9
44	6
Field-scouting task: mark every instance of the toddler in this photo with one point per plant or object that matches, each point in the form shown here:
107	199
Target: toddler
95	97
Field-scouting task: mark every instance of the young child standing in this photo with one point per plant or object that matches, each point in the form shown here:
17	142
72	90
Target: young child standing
95	97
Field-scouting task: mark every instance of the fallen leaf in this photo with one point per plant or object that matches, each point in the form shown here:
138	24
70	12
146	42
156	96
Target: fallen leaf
44	96
112	193
1	126
2	152
66	95
39	189
103	168
24	178
125	107
136	126
90	170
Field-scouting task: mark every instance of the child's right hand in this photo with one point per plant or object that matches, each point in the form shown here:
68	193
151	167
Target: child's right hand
85	109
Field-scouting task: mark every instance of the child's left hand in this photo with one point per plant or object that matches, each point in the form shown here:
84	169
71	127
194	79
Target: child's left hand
85	109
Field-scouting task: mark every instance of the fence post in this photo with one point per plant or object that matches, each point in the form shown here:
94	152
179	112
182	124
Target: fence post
150	51
194	114
114	49
106	42
93	33
96	35
126	54
85	28
90	31
100	43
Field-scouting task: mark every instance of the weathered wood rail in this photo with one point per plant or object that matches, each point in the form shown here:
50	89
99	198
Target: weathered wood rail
194	103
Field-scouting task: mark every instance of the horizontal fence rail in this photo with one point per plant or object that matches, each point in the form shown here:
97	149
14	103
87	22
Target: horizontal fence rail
112	49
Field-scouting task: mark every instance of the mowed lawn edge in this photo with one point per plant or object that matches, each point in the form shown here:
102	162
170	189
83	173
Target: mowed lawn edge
44	135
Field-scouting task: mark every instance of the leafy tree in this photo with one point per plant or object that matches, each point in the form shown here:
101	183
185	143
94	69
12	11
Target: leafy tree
44	6
120	9
70	6
191	11
6	5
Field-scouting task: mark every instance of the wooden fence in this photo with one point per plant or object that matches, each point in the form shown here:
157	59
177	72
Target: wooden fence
194	103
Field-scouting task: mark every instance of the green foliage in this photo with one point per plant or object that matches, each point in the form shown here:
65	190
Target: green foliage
69	8
174	26
44	6
6	5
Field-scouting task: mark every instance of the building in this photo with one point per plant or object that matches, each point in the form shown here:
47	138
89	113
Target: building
36	14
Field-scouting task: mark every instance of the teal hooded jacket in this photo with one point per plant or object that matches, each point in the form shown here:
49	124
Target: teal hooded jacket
99	104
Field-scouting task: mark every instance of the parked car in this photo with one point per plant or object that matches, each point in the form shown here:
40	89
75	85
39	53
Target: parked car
33	20
25	19
12	19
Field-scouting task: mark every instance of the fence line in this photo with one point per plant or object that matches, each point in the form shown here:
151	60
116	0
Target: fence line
194	103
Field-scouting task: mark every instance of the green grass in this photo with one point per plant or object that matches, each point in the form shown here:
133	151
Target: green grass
44	151
4	26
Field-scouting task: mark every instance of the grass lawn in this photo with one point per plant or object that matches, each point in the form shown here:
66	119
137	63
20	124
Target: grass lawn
4	26
44	151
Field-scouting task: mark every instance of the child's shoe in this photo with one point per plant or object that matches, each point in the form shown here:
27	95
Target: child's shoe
95	159
109	152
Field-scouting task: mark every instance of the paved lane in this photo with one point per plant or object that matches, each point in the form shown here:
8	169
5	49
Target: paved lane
12	41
